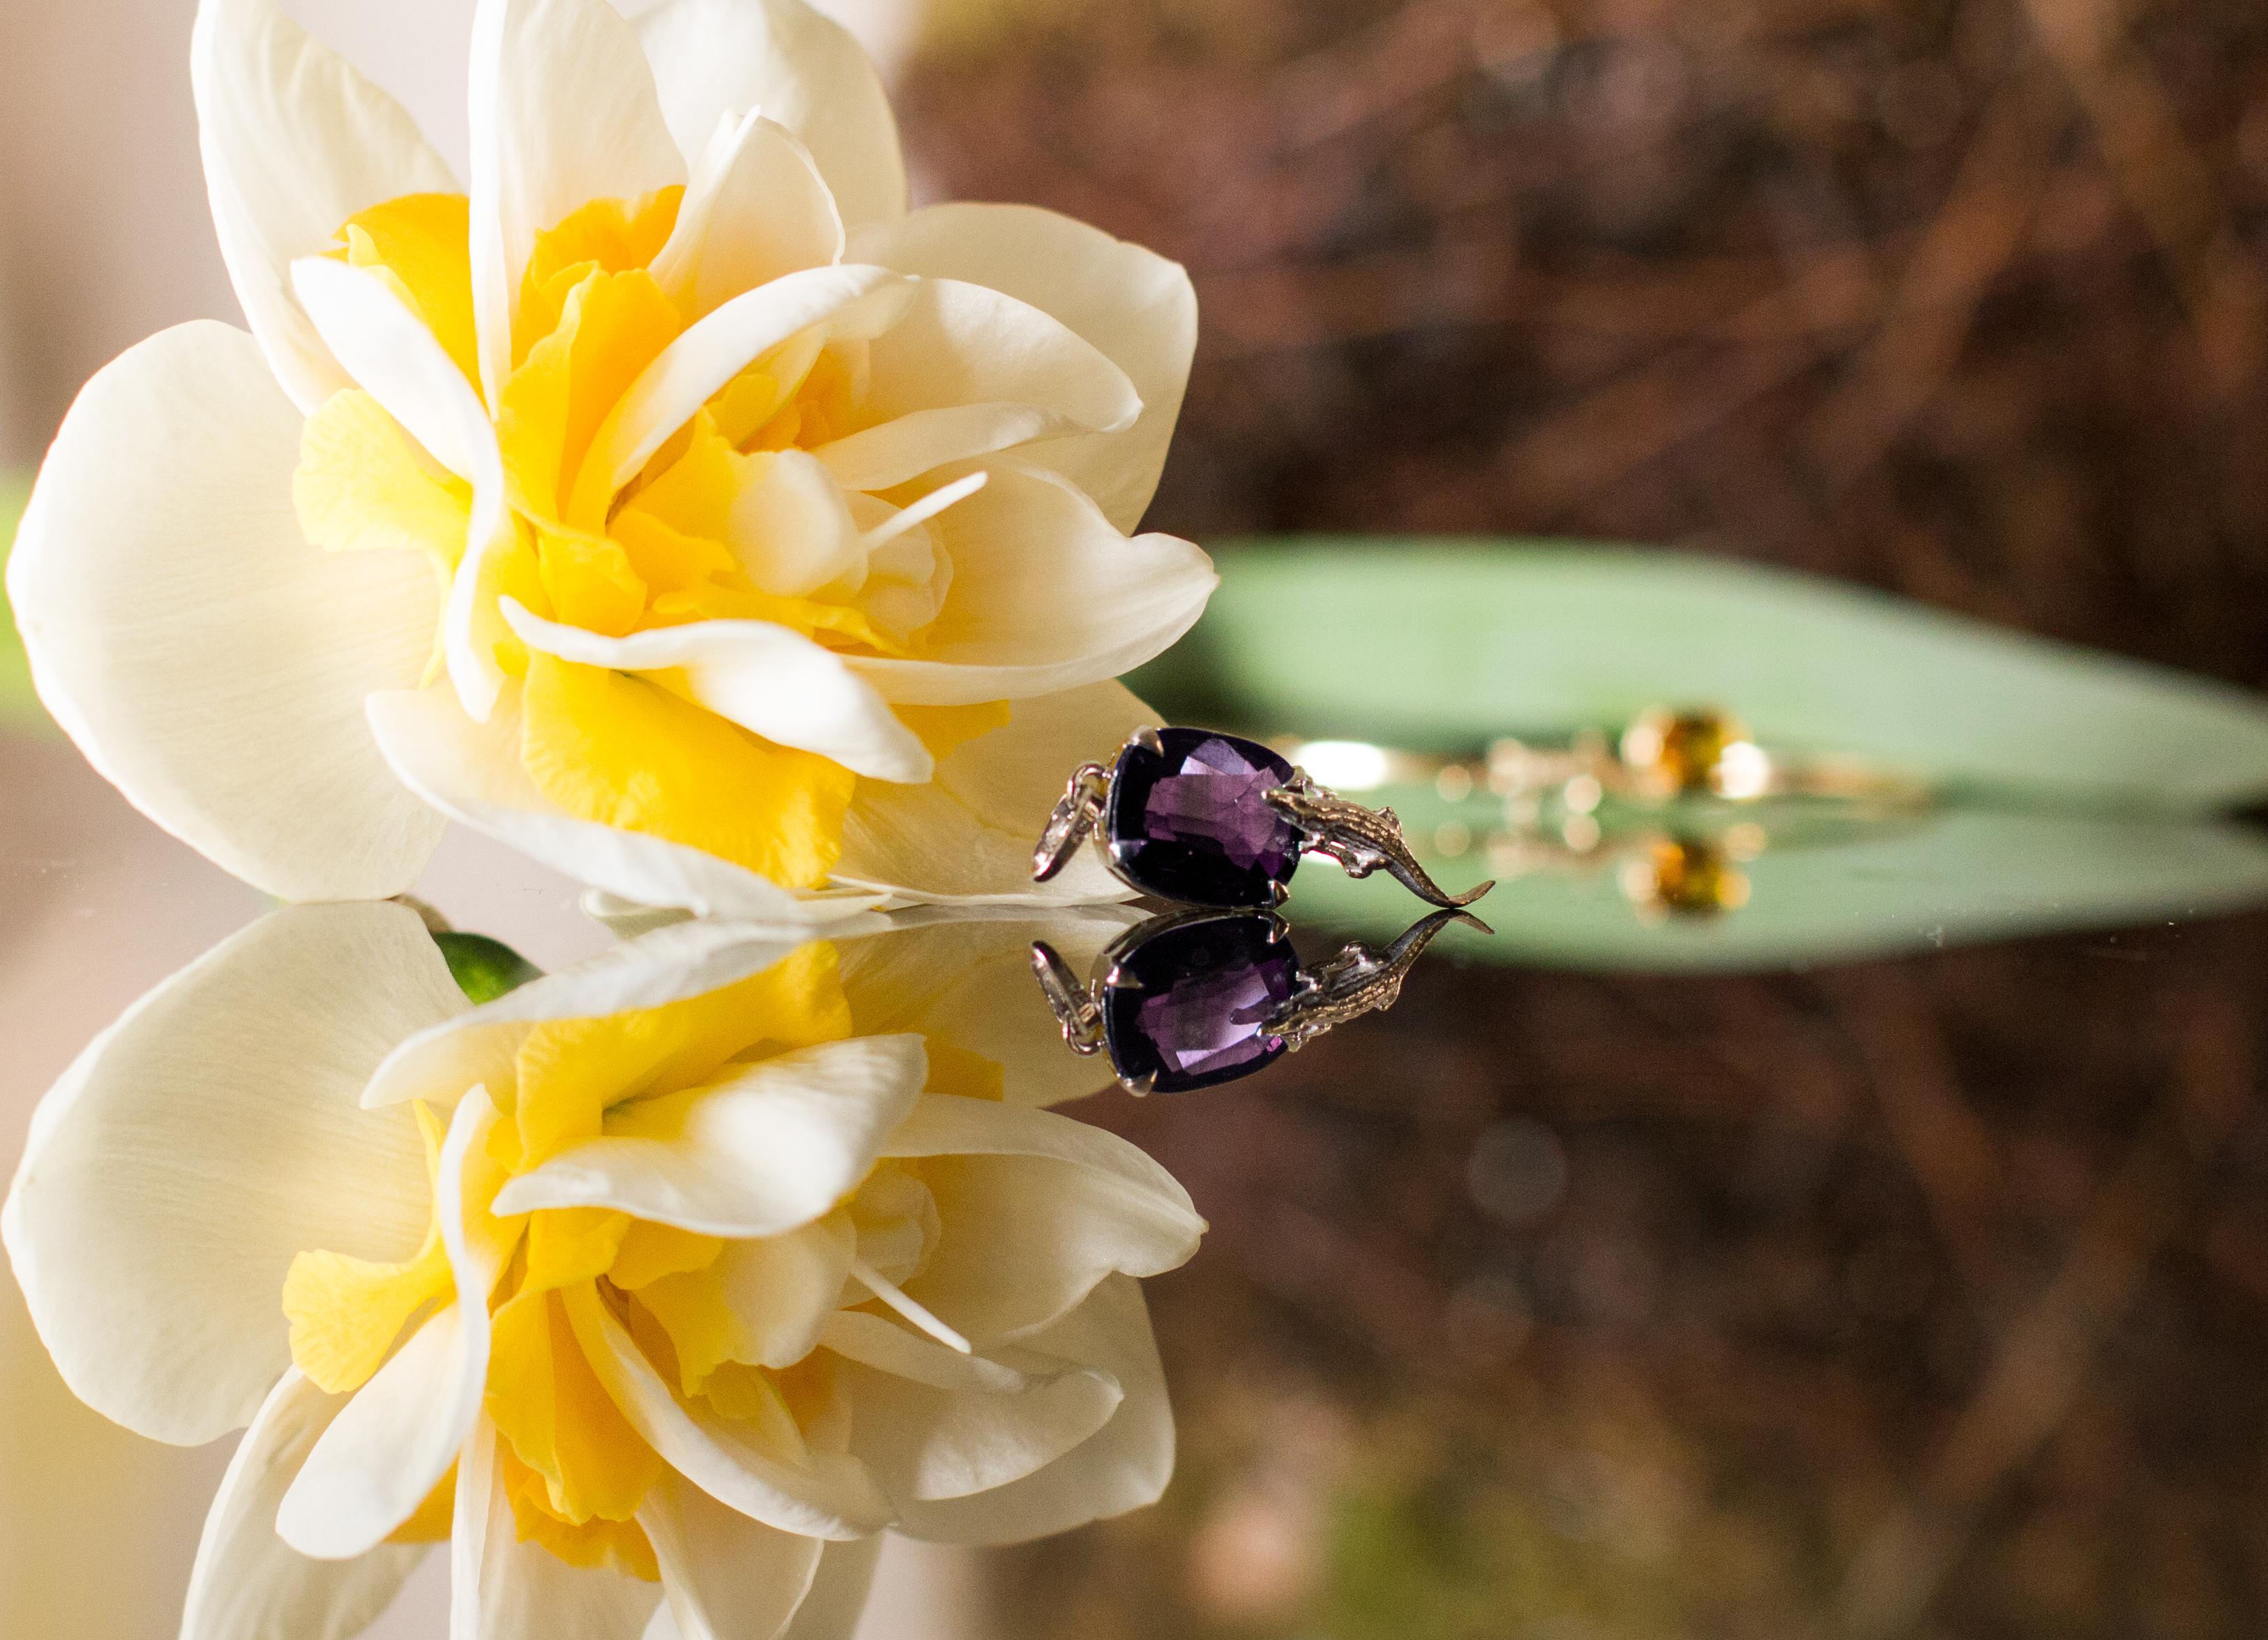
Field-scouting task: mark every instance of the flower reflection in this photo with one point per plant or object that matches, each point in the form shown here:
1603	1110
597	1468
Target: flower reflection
679	1275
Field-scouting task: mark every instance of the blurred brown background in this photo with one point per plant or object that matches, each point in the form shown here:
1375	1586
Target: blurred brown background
1961	297
1922	1297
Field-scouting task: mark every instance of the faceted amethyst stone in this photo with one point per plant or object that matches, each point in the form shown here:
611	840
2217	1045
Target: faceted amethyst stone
1195	825
1190	1003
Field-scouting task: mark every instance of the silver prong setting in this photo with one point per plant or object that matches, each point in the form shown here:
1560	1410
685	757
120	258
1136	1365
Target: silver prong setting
1147	737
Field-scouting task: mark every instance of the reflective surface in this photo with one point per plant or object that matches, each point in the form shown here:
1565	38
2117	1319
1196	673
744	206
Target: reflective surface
1884	1251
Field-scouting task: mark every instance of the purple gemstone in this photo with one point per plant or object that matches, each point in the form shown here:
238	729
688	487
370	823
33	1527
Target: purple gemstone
1190	1003
1195	824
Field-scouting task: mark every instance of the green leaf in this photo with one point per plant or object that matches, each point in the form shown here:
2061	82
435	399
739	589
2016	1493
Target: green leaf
1445	644
484	968
1951	876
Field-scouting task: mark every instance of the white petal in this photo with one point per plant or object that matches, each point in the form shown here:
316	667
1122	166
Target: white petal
1037	1210
838	1594
204	1141
383	1453
963	976
670	963
1134	305
694	368
773	682
1047	595
401	363
717	57
249	1583
829	1495
210	662
295	143
969	371
933	1424
781	1289
757	210
501	1588
792	528
967	835
396	1438
726	1577
1125	1465
471	772
772	1146
563	112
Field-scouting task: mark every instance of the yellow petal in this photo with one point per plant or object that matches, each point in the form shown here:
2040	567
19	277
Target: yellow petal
423	242
360	485
613	748
571	1072
606	236
558	1419
652	1252
589	582
945	729
346	1312
436	1518
611	327
571	1245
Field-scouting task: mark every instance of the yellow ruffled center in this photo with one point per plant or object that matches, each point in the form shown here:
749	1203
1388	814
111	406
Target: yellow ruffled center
573	1467
698	535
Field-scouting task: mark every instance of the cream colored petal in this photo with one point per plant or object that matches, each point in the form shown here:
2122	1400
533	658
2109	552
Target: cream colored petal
922	441
207	1138
757	210
825	1495
249	1583
209	661
394	1441
966	835
1133	304
1036	1210
563	111
295	143
765	678
968	371
501	1588
963	976
717	57
771	1146
471	772
1047	595
387	1449
677	960
401	363
1124	1465
791	527
972	370
725	1577
696	367
781	1289
932	1423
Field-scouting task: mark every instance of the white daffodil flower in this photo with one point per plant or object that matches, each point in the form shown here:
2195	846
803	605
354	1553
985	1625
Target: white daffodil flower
676	1277
670	502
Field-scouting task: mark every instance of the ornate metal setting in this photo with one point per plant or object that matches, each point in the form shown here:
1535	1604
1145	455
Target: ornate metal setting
1358	979
1361	840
